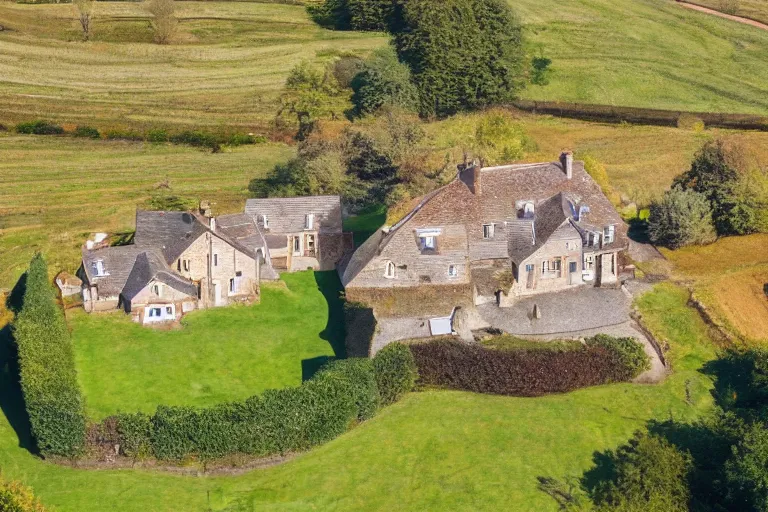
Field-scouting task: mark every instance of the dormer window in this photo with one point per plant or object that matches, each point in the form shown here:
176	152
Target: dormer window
525	209
389	270
265	221
427	239
609	233
488	230
453	271
309	221
583	211
98	268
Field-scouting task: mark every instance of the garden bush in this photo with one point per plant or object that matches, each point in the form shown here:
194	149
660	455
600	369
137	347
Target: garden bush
39	128
117	134
15	497
362	379
524	372
47	368
135	433
628	350
197	139
87	132
395	372
157	136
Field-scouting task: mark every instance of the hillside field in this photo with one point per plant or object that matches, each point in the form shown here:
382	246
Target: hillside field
230	59
753	9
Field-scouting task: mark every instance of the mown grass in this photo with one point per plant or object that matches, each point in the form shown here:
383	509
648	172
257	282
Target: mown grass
753	9
230	59
436	450
218	356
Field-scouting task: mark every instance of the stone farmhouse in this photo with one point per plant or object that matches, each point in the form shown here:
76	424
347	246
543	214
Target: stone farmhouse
493	235
182	261
302	232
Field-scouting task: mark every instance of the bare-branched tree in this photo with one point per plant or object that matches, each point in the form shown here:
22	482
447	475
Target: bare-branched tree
84	10
164	19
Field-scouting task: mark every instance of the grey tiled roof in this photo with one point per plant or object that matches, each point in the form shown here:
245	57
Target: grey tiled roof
241	231
118	263
288	214
150	265
171	232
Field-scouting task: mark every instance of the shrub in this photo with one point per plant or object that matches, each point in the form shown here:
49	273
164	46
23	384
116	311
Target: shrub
47	368
362	380
383	81
346	69
15	497
627	350
647	475
157	136
540	70
135	433
117	134
361	328
39	128
196	139
747	470
680	218
523	372
239	139
87	132
395	372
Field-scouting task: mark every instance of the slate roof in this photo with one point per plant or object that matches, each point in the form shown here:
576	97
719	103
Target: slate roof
288	214
242	232
171	232
557	200
118	263
150	265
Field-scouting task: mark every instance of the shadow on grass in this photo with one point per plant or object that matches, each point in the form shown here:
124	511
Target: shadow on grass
330	286
11	399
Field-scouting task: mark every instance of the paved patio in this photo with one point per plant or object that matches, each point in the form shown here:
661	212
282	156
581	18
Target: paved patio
561	313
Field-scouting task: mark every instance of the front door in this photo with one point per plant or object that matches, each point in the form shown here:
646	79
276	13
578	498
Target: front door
297	246
572	275
217	294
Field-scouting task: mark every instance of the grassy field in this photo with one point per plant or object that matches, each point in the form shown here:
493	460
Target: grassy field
729	277
754	9
230	59
219	355
435	450
55	191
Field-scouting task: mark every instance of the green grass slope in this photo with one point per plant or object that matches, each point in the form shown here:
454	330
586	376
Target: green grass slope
220	355
435	450
230	59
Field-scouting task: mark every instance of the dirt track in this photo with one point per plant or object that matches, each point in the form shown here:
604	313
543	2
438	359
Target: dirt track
731	17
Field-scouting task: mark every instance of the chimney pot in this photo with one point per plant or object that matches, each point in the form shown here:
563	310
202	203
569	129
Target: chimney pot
213	224
566	159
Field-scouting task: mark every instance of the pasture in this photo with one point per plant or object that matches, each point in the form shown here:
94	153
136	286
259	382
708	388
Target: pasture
753	9
434	450
229	60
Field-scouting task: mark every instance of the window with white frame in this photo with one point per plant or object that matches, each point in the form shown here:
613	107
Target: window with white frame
309	221
265	221
453	271
428	242
529	268
157	289
232	286
609	232
389	270
589	262
488	230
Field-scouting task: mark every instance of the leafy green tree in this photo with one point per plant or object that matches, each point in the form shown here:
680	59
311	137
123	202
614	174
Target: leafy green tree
369	14
310	94
463	54
319	174
680	218
499	139
384	81
747	471
649	475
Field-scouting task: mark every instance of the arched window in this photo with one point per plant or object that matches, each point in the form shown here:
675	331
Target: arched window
389	270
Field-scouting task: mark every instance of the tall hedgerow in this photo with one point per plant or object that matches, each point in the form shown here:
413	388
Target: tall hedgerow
48	379
396	372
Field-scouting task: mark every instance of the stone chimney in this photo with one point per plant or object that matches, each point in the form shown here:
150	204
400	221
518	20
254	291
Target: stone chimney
566	160
470	175
213	224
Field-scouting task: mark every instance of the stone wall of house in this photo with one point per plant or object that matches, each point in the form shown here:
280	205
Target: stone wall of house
425	300
609	268
540	283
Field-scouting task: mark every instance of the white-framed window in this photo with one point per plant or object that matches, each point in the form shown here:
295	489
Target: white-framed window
583	211
488	230
232	286
428	242
157	289
389	270
155	312
453	271
528	210
545	266
529	268
609	233
215	260
265	221
309	221
98	268
169	311
589	262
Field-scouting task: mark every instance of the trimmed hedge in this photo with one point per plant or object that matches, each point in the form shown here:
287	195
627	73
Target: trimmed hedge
628	350
47	368
396	372
276	422
525	372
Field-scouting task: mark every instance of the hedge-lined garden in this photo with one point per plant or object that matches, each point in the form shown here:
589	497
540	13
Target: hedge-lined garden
528	372
48	378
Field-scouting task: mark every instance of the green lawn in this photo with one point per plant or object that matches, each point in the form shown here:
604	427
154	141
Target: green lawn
365	223
219	355
436	450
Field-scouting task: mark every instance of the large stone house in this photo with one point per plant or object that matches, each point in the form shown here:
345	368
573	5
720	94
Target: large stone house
301	232
178	262
494	234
